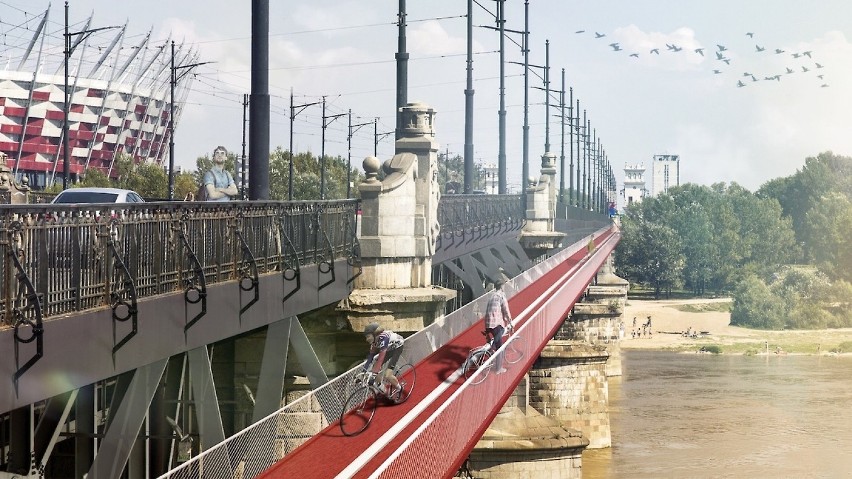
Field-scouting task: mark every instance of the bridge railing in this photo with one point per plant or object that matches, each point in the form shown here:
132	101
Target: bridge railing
258	447
61	259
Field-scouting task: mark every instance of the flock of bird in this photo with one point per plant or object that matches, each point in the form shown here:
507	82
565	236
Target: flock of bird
801	62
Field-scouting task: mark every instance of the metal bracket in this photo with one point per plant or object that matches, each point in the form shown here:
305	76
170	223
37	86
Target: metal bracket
248	277
290	268
123	299
196	287
30	314
324	265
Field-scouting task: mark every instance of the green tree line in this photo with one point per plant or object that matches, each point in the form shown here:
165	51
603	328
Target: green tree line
784	252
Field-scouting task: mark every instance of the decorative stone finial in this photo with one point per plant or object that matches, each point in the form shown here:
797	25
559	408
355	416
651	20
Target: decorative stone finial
371	168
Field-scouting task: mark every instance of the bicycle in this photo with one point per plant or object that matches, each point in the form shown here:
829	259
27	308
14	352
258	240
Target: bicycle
479	356
360	407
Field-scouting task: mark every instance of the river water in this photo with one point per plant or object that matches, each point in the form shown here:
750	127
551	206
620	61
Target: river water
727	416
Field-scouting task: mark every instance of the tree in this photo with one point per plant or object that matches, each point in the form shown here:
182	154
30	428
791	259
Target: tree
649	252
95	178
755	306
831	249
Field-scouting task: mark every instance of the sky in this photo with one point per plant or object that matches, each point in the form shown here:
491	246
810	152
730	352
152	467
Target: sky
742	91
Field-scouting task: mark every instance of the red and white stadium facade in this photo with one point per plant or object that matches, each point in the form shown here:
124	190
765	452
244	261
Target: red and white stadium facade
119	104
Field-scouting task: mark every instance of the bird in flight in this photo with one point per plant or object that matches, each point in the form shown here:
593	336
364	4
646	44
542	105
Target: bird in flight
796	54
818	65
824	85
580	31
807	54
820	76
719	56
747	74
716	72
655	50
599	35
722	48
699	51
759	48
740	83
753	78
634	55
727	61
676	48
805	69
615	46
789	70
670	46
778	50
750	34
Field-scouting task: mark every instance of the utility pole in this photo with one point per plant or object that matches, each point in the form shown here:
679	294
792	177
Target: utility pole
579	158
68	51
525	167
378	136
468	106
175	79
562	142
501	155
322	148
352	130
259	113
571	126
294	110
547	96
401	70
243	158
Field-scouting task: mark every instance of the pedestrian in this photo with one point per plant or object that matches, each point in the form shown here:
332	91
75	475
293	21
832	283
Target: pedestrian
634	321
385	350
497	318
218	184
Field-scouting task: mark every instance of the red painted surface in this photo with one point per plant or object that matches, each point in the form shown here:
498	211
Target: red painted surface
329	452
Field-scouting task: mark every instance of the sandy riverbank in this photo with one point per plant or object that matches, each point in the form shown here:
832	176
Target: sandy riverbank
667	318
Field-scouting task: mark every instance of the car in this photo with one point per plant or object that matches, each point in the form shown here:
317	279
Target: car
97	195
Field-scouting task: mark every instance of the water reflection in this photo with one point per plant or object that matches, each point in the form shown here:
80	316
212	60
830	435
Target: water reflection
693	416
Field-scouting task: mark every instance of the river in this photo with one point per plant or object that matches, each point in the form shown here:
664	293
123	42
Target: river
727	416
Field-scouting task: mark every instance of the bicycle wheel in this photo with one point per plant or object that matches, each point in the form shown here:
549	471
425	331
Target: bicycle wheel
513	353
358	411
406	375
473	363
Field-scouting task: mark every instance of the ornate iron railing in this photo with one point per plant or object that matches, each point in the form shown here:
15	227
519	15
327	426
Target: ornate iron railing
87	256
479	216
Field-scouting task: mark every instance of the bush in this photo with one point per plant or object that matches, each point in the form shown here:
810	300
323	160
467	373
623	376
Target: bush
711	348
844	347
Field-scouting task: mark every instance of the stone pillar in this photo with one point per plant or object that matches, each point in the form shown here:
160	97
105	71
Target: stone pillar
598	318
522	443
539	235
569	383
398	233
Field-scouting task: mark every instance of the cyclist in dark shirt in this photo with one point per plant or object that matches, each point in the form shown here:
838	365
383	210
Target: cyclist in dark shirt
385	350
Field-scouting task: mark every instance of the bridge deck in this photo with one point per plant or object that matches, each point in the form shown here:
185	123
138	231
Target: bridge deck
331	454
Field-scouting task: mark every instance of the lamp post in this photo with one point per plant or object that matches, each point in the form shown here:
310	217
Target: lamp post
68	50
174	79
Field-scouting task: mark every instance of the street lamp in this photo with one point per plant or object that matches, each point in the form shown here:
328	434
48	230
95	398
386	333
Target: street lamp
66	165
175	78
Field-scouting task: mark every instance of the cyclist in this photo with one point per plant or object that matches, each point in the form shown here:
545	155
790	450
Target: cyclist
497	317
385	350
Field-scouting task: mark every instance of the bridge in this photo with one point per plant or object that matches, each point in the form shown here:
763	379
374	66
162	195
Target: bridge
197	340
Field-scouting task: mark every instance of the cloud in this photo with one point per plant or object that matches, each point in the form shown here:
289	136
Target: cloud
430	38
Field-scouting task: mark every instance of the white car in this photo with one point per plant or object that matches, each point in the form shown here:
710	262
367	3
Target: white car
97	195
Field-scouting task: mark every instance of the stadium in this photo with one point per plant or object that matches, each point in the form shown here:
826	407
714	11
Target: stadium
120	95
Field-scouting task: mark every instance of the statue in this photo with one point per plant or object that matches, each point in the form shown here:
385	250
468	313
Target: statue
218	184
